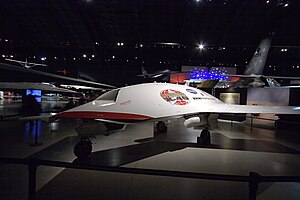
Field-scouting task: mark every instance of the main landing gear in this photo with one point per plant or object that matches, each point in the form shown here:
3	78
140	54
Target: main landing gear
161	127
204	137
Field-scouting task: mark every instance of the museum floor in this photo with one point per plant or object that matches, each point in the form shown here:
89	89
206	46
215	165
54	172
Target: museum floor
235	150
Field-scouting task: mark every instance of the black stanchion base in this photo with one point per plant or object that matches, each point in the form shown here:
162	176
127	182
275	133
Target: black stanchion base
36	144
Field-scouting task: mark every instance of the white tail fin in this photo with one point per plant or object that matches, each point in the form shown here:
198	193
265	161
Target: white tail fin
258	60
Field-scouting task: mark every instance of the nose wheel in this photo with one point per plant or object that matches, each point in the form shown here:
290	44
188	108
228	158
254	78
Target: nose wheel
83	148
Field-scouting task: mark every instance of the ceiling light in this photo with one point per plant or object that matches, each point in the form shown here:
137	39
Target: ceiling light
201	46
84	55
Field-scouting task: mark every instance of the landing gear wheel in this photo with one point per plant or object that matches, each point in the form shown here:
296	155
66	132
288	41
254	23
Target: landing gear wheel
83	148
161	127
205	136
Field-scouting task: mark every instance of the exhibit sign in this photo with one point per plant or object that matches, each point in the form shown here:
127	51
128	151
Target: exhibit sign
230	98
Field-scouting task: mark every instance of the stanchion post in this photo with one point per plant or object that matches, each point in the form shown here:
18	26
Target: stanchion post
32	167
36	131
36	134
253	185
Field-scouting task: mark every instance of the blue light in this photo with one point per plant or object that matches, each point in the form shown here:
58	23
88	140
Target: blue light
213	74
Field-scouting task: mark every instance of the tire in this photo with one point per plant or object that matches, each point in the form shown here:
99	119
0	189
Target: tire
83	149
161	127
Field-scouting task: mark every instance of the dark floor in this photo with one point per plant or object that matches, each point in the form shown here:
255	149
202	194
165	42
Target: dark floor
234	150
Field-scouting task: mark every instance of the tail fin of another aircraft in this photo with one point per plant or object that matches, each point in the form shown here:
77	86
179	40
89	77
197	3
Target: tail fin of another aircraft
258	60
144	72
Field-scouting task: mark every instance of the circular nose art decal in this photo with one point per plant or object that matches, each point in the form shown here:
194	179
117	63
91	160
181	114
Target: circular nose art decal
174	97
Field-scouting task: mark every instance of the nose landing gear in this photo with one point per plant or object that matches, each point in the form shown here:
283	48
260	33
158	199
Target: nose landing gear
83	148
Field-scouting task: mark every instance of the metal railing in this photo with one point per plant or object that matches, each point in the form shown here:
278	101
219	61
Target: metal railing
253	178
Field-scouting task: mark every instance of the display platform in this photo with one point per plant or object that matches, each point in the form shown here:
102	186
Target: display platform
226	155
78	184
235	150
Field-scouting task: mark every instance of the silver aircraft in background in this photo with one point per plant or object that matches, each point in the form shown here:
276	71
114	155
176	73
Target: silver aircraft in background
253	74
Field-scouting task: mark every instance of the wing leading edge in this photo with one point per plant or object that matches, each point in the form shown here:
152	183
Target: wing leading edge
251	109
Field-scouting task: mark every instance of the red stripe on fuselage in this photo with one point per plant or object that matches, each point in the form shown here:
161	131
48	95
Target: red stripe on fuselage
102	115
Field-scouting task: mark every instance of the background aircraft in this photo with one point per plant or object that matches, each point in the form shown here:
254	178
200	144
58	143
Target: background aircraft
23	81
254	70
156	74
25	64
159	102
253	74
30	75
33	86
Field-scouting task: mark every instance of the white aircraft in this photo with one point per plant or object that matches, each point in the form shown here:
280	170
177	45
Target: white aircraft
158	102
25	63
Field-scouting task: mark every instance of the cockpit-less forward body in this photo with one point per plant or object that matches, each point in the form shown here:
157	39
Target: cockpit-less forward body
158	102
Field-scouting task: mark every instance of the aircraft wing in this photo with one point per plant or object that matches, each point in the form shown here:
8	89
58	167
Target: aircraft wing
251	109
142	75
54	77
263	76
18	61
283	77
235	109
33	86
243	76
128	118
